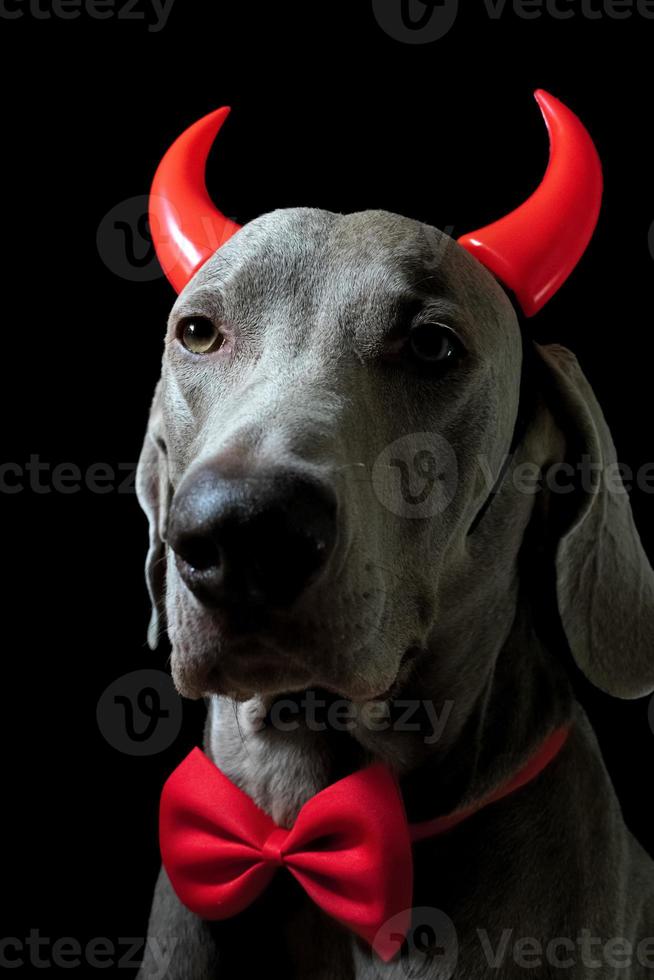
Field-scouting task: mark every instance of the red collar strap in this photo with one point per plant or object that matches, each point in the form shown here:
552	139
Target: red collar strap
547	752
349	848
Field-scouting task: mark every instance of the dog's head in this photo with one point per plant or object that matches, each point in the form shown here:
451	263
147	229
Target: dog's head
345	459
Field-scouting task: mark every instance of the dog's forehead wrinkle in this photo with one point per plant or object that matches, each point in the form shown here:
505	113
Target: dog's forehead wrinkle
277	246
309	262
383	255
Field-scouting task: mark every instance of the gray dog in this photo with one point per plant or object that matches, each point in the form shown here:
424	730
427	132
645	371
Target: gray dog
365	487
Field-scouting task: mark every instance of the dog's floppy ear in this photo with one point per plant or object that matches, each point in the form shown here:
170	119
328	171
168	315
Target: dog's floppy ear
152	494
604	581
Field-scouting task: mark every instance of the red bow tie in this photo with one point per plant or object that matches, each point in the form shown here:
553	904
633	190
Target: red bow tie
350	847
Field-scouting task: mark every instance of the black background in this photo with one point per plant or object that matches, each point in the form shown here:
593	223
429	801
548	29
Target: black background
329	111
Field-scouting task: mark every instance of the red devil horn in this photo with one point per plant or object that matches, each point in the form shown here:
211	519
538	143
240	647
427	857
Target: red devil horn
186	226
533	250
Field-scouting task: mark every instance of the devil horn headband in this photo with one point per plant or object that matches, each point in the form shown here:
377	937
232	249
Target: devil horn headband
532	250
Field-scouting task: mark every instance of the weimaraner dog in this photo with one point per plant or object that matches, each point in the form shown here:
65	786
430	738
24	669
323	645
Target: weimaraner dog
367	487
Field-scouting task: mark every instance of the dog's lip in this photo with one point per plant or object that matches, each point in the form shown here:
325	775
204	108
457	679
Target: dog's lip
256	665
404	669
252	667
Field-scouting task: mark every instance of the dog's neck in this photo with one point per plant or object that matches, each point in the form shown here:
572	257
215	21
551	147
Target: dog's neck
523	698
449	750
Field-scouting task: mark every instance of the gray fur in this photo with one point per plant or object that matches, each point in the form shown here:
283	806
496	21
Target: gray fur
307	299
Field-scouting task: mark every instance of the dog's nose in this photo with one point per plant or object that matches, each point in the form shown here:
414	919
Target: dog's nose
259	540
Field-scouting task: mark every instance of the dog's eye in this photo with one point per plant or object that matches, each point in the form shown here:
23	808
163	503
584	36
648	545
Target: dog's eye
199	335
434	344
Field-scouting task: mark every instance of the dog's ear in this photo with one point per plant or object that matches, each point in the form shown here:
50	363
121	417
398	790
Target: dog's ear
152	493
604	581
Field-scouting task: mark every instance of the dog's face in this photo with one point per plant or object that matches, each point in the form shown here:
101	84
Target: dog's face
337	399
374	357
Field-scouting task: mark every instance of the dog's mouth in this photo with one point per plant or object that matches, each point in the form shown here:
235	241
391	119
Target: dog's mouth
327	709
306	701
261	668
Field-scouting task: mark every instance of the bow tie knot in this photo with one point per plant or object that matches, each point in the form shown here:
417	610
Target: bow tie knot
271	852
